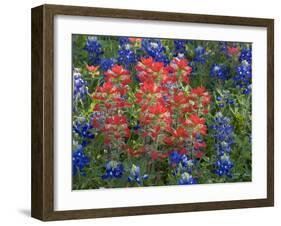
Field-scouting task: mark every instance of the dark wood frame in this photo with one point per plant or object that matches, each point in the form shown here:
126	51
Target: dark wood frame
42	203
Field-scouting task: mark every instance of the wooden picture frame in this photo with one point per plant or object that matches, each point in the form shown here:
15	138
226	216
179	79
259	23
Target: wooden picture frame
43	112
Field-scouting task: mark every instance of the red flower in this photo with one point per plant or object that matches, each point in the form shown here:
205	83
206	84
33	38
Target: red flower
122	104
163	155
196	120
168	141
92	68
203	130
116	120
165	111
195	107
206	100
127	132
155	131
183	151
182	63
170	79
180	132
118	75
117	69
145	134
150	71
180	98
157	109
107	105
154	155
198	145
199	154
145	120
186	79
157	66
96	107
95	123
135	39
184	122
147	61
198	91
106	140
123	90
232	50
136	153
187	109
104	91
149	87
205	111
107	88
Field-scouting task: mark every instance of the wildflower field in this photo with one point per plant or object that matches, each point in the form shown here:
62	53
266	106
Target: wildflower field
159	112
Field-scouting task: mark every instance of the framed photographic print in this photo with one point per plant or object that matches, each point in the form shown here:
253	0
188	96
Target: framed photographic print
141	112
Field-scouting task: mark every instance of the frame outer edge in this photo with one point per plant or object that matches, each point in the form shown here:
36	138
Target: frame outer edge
48	105
42	198
270	112
37	113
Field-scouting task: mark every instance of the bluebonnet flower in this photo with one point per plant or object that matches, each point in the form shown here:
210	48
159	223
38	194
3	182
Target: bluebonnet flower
219	71
79	160
223	47
123	41
225	98
181	162
224	166
230	101
200	54
80	89
186	179
94	49
137	127
246	54
223	134
82	128
155	49
126	56
186	164
107	63
135	175
180	50
243	77
174	157
113	169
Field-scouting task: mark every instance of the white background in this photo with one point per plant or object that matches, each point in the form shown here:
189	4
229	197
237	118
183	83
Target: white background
15	112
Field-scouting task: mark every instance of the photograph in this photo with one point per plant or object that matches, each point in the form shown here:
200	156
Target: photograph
152	111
